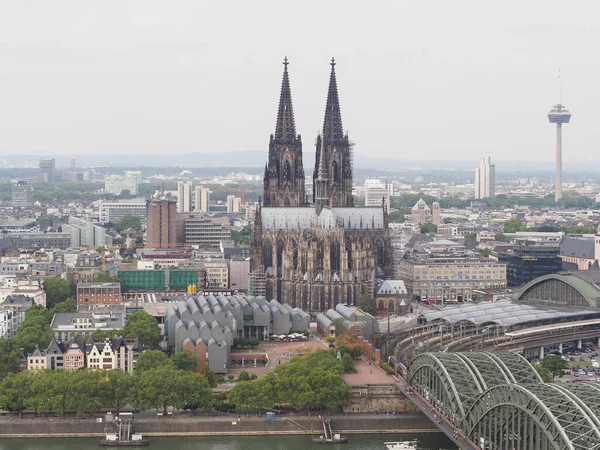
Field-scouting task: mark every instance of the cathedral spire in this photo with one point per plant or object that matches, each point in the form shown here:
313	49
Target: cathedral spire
321	185
322	162
332	124
284	175
285	128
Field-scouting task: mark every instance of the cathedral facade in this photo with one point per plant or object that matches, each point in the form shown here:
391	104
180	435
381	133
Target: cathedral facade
318	252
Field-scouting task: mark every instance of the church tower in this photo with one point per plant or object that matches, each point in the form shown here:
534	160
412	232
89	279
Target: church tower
337	150
321	184
284	172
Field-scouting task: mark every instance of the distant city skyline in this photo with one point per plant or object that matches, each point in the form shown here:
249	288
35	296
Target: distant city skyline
417	80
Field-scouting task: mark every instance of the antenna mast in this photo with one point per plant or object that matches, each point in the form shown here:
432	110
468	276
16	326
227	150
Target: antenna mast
559	89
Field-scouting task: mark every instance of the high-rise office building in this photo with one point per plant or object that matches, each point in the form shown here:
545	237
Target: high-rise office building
47	170
22	195
485	178
85	233
161	223
199	229
376	191
527	261
184	196
234	204
202	198
116	184
114	210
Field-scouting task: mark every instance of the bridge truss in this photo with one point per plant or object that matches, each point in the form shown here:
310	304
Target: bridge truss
498	399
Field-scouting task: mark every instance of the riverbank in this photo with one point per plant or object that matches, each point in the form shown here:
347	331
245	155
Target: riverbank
223	426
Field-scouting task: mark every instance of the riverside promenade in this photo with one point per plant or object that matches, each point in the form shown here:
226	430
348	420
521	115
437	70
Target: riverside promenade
188	425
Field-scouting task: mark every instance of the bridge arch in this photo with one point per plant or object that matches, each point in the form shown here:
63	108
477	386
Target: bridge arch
446	381
541	415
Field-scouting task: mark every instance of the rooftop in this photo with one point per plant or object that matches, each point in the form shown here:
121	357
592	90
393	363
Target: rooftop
18	223
98	285
303	217
505	312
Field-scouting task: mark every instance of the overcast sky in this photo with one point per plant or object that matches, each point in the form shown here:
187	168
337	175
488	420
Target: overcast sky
417	79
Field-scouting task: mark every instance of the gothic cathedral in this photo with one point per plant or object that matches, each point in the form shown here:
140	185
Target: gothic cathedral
314	255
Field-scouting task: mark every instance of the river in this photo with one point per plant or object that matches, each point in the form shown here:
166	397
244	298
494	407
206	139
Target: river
429	441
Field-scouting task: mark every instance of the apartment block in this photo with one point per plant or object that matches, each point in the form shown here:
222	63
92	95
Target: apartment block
116	184
22	195
184	196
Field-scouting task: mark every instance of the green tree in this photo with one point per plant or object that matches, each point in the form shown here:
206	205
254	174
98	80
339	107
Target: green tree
349	365
15	391
143	326
43	391
116	388
86	394
367	303
68	305
578	229
486	252
183	359
397	216
190	390
500	237
9	357
555	364
125	193
514	225
543	372
329	389
131	221
241	394
154	387
57	290
244	236
151	359
243	376
265	393
104	335
312	382
210	376
35	330
104	277
428	228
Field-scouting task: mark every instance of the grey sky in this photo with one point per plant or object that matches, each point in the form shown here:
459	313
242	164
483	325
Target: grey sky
417	79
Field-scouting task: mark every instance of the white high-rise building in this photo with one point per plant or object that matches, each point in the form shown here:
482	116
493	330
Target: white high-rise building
485	178
184	196
116	184
202	198
376	191
234	204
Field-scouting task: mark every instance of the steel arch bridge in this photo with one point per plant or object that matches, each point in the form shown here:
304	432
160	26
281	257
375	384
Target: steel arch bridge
500	402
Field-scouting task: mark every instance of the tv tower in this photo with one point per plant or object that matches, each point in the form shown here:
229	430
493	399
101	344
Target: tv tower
559	114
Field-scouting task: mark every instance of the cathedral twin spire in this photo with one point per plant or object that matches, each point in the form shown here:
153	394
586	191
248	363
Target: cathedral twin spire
332	123
284	173
285	129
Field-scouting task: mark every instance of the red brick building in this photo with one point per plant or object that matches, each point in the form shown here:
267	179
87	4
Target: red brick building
99	293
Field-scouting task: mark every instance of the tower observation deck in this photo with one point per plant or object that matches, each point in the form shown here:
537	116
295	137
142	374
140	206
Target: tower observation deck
559	114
